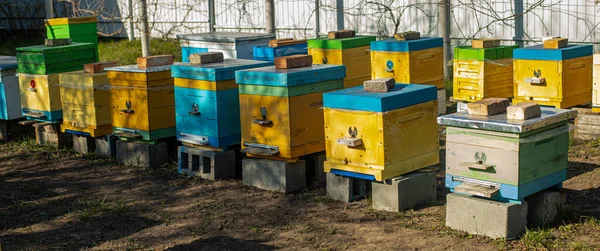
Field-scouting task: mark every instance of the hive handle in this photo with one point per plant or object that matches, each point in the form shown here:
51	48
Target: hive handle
262	122
477	166
129	111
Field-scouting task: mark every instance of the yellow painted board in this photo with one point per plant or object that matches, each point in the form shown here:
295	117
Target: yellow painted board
206	85
86	115
297	127
356	60
475	80
151	108
80	78
140	79
71	20
415	67
40	92
92	96
596	84
567	82
392	137
93	131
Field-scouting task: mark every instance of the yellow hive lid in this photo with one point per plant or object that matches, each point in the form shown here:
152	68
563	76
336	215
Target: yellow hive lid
80	78
71	20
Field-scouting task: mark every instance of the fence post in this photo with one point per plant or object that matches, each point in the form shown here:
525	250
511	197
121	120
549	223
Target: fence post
519	28
49	9
444	32
270	16
211	16
339	7
317	18
145	31
131	33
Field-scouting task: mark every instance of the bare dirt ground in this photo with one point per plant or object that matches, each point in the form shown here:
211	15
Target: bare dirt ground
56	199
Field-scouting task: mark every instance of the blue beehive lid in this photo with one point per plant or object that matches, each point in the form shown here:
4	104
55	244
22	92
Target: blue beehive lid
267	53
408	45
271	76
216	71
538	52
8	63
402	95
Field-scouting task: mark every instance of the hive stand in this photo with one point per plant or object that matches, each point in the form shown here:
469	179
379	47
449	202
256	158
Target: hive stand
142	154
345	188
48	133
12	129
83	144
207	163
274	175
315	173
405	192
106	146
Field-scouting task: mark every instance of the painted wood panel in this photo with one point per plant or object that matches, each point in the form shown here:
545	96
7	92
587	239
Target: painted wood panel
476	80
414	67
40	92
356	60
149	109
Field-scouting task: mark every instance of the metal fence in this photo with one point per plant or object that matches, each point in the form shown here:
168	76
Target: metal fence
511	20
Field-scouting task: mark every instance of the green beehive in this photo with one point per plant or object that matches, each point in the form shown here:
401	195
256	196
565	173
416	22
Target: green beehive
42	59
78	29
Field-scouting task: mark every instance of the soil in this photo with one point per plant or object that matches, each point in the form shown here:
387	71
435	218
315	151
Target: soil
56	199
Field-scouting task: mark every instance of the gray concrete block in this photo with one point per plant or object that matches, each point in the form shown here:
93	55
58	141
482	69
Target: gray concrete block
274	175
84	144
49	134
206	163
485	217
141	154
544	207
404	192
346	189
462	106
315	168
106	146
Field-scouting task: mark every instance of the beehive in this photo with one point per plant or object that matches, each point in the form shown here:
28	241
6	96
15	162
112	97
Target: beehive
266	53
85	101
596	83
232	44
10	99
553	77
397	131
419	61
78	29
142	102
42	59
40	97
483	73
353	52
207	104
280	109
509	159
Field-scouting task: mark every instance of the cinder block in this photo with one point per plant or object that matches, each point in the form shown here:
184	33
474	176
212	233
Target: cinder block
49	134
206	163
442	101
157	60
346	189
84	144
98	67
315	167
544	207
206	58
341	34
141	154
57	41
294	61
523	111
404	192
485	43
274	175
407	35
462	107
379	85
488	106
11	129
106	146
485	217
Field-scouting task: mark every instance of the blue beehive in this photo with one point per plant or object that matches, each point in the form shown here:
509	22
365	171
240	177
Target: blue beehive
266	53
207	103
10	99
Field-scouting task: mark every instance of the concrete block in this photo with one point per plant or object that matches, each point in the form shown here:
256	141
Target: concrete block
98	67
404	192
488	106
544	207
49	134
157	60
106	146
206	58
274	175
485	43
485	217
206	163
141	154
11	129
84	144
442	101
379	85
294	61
462	107
346	189
556	43
315	168
407	35
57	41
341	34
523	111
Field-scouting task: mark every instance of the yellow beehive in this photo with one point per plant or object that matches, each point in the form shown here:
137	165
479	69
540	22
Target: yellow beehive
483	73
381	135
419	61
553	77
353	52
85	100
40	96
596	83
142	101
